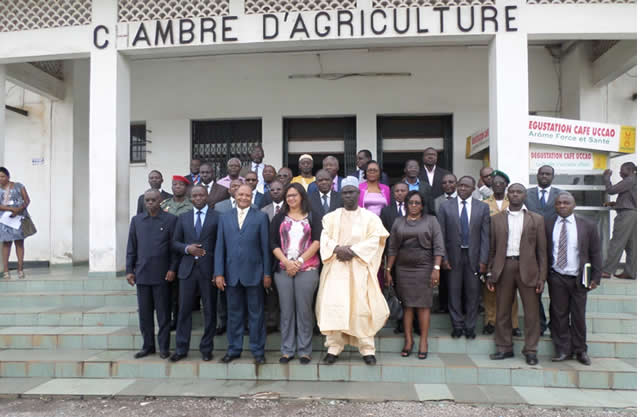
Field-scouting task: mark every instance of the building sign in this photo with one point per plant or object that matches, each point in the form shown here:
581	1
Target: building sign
313	25
580	134
477	142
565	159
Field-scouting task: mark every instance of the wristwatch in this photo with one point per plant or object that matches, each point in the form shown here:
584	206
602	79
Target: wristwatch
436	267
301	259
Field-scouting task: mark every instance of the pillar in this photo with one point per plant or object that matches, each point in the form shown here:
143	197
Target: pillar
109	130
509	104
3	95
367	132
272	142
581	100
80	160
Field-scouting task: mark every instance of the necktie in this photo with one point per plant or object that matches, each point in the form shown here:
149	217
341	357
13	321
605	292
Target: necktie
241	214
400	210
198	224
464	225
277	208
325	204
561	262
543	203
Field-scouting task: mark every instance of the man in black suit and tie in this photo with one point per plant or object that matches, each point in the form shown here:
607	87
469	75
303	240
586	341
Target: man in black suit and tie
541	200
432	174
362	159
323	199
215	192
195	240
573	241
396	209
449	182
465	224
194	172
151	266
155	182
243	270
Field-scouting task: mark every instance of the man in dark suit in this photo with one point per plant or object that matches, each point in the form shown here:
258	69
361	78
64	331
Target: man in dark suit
517	260
242	268
195	240
215	192
194	172
151	266
251	178
572	242
362	158
432	174
541	200
449	182
465	225
155	182
323	199
411	173
397	208
331	165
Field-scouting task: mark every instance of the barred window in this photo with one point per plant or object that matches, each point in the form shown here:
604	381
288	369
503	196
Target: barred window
138	143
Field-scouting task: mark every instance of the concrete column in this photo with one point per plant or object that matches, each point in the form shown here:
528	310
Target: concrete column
80	161
509	104
272	142
3	95
367	132
109	130
581	100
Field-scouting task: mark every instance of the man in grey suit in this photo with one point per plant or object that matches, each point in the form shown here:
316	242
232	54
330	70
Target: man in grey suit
276	193
542	200
230	203
449	187
271	301
465	224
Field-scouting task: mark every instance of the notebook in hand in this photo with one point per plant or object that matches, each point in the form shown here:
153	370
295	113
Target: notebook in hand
586	275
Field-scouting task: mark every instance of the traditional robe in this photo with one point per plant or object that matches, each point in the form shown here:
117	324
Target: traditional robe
350	307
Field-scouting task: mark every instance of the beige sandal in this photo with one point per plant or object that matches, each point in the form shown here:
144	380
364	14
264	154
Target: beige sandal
20	274
6	275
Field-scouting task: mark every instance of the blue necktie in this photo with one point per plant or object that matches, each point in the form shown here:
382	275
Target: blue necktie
325	205
198	225
543	203
464	226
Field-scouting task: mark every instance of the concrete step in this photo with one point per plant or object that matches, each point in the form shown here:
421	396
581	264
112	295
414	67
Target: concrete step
440	341
449	368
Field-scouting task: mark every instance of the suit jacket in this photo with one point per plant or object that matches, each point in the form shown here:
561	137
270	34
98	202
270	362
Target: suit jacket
533	248
313	187
141	208
384	178
434	190
149	254
225	205
217	194
269	211
589	248
243	255
185	235
533	202
335	202
257	201
479	225
389	214
437	202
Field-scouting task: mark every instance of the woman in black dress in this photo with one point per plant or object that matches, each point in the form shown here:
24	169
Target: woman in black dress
416	249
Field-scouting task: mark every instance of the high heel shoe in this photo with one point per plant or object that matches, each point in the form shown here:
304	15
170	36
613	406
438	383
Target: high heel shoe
406	352
6	275
423	355
20	274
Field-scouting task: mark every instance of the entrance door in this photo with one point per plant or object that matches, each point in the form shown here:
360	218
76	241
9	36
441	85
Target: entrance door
320	137
405	137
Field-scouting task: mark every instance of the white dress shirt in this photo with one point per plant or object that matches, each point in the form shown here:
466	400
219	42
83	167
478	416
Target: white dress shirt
573	254
515	220
233	202
242	215
258	168
546	194
207	186
328	198
277	207
468	200
402	207
203	214
452	195
430	174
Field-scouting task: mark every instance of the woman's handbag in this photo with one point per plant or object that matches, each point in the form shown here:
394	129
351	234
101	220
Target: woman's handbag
395	306
28	228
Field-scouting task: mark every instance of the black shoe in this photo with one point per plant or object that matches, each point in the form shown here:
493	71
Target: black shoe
516	332
221	330
470	334
164	355
272	329
456	333
177	356
143	353
369	360
305	360
498	356
285	359
488	329
228	358
583	358
260	360
531	359
330	359
560	357
207	356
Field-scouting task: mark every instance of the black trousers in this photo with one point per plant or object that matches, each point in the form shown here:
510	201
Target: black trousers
208	295
567	312
464	294
443	290
150	298
174	289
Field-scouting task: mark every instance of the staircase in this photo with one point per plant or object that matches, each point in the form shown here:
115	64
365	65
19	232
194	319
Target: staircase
60	323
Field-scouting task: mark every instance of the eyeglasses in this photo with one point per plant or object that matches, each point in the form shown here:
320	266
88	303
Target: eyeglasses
414	203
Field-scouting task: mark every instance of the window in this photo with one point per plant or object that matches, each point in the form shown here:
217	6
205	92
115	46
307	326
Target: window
138	143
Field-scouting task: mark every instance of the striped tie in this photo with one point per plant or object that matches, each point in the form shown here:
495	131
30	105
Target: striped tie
561	262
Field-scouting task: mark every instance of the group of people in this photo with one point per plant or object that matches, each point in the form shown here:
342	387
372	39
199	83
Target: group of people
264	250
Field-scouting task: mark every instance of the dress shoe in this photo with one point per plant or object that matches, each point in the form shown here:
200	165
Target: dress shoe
488	329
583	358
456	333
624	276
260	360
164	355
305	360
561	357
228	358
369	360
177	356
516	332
143	353
498	356
531	359
207	356
330	359
221	330
285	359
605	275
470	334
